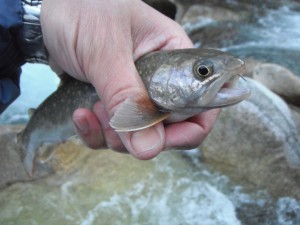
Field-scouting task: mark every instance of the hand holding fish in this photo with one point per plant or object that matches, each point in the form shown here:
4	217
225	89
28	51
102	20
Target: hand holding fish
98	42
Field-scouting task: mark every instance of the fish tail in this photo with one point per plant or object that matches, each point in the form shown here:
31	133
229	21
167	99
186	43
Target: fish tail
27	157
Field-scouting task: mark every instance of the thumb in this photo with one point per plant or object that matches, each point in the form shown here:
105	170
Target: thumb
121	83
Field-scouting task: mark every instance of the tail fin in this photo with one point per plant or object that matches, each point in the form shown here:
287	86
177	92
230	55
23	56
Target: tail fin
27	157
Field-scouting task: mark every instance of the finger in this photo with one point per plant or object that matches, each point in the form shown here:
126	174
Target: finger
189	134
88	128
112	139
206	120
121	82
145	144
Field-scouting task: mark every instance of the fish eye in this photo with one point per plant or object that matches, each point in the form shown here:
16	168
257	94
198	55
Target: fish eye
203	69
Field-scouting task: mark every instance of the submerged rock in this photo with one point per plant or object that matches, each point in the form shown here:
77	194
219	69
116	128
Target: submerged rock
258	140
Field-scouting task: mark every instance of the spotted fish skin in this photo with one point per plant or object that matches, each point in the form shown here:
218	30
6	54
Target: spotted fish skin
51	123
175	88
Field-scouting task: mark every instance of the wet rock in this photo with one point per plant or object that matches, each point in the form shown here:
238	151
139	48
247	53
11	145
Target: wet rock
166	7
280	80
250	65
258	140
10	163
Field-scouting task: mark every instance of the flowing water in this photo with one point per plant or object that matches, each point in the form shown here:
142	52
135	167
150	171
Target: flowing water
269	32
176	188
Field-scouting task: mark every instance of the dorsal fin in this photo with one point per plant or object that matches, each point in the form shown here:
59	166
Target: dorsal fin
64	78
31	112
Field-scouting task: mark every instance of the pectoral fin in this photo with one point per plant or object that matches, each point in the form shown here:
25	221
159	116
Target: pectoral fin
136	115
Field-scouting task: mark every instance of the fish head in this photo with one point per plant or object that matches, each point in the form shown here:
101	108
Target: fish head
181	83
197	80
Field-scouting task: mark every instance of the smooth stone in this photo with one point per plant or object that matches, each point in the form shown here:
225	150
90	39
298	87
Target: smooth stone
280	80
257	140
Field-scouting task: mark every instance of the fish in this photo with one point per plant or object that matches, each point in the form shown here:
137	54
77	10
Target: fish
180	84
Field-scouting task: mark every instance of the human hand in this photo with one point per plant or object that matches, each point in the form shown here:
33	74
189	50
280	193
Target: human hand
98	42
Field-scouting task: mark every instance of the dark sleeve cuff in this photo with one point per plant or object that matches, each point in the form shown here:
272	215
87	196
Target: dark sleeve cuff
9	91
11	59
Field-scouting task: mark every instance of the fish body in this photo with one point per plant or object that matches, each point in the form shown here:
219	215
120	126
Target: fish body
180	84
51	123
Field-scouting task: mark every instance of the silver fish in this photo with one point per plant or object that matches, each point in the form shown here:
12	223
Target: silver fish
180	84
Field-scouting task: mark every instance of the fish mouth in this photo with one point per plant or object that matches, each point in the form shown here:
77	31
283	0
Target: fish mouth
230	89
231	92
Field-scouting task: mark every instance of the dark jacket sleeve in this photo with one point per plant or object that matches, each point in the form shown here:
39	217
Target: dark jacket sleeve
11	58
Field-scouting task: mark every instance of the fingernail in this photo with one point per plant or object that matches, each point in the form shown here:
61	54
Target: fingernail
81	125
146	140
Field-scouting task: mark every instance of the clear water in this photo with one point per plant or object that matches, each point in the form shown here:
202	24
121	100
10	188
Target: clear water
274	38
